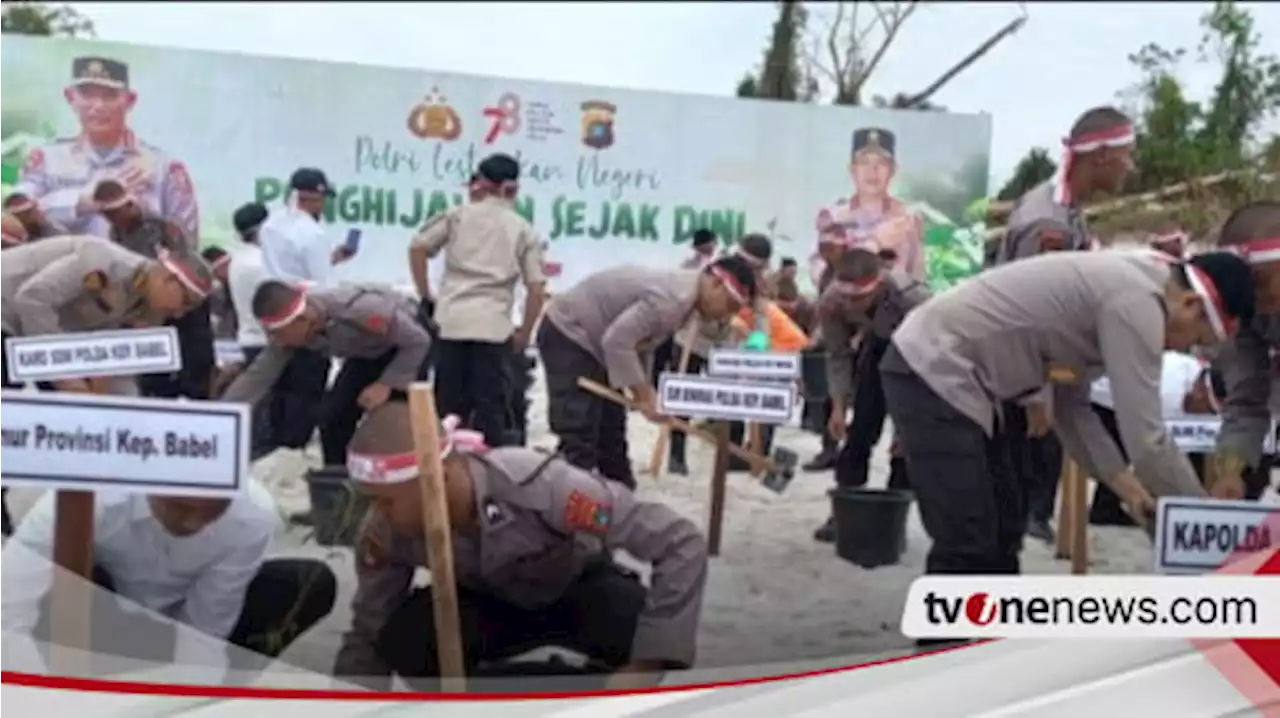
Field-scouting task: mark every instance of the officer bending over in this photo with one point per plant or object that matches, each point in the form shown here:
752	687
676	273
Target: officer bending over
533	538
376	331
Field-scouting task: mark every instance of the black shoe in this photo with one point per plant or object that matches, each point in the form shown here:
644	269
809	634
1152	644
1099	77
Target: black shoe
1039	529
677	466
826	533
302	518
822	462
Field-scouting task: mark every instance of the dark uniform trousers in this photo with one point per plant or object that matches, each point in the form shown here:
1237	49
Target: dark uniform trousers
195	342
592	431
596	616
1106	509
970	502
1036	461
520	368
853	463
473	381
287	416
340	410
285	599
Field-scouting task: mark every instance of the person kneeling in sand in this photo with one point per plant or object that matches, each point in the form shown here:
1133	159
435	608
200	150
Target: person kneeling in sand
532	540
201	562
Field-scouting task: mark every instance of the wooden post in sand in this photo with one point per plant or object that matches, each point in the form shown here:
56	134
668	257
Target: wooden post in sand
1073	518
719	485
439	537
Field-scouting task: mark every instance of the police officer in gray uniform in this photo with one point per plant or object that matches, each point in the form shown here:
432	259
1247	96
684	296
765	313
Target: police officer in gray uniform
606	329
533	537
865	300
375	331
1247	364
1048	218
78	283
1061	320
150	235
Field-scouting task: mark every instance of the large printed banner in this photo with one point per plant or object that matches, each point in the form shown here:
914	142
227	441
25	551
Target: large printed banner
609	175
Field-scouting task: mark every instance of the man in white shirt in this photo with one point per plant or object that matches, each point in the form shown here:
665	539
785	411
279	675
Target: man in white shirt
246	271
197	561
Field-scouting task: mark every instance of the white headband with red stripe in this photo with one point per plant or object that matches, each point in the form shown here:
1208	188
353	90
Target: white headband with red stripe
116	203
290	312
399	468
1179	237
1214	309
1121	136
20	203
1261	251
856	289
731	283
192	281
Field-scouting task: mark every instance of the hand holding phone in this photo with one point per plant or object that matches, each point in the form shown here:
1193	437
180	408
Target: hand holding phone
352	243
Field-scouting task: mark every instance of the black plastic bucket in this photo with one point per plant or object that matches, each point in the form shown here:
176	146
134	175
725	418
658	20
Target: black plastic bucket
871	525
336	507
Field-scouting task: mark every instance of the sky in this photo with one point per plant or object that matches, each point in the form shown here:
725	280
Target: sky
1069	56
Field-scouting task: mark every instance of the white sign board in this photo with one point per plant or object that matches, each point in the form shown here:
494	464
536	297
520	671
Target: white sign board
154	446
55	357
227	352
754	365
1198	435
1199	535
726	399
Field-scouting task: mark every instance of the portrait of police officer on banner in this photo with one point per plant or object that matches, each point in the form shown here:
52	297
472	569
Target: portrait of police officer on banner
873	218
60	177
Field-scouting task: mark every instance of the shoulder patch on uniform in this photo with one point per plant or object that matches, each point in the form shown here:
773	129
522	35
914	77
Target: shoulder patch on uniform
35	161
376	323
179	176
584	513
95	281
1052	237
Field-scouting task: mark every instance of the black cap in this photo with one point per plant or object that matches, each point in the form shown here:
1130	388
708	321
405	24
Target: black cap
310	179
499	168
249	217
100	71
874	139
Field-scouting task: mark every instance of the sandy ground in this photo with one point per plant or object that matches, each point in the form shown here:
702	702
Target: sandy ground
774	595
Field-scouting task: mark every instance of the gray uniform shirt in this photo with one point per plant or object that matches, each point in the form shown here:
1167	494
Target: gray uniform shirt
542	521
1066	319
359	323
1246	366
69	284
620	315
902	293
1036	212
153	234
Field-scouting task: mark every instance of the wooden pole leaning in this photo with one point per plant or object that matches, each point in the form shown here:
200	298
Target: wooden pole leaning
1066	510
1080	527
719	487
439	537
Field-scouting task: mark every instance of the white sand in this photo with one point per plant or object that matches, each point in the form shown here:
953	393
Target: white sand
774	595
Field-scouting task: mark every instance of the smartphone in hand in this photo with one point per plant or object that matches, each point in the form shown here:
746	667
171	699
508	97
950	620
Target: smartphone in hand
352	244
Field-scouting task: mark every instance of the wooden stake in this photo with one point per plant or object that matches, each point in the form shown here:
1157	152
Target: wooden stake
658	457
1066	519
719	481
439	537
71	600
1079	527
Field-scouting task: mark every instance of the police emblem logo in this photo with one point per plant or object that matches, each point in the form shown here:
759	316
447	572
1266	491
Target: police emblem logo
873	138
95	68
376	323
584	513
95	281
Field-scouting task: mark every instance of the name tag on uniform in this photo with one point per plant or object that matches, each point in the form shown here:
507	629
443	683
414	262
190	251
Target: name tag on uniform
227	352
57	357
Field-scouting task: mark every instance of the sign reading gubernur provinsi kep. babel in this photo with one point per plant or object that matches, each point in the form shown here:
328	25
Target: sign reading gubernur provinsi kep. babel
153	446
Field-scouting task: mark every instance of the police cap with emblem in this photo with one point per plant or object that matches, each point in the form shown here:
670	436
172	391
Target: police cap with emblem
874	139
310	179
249	218
100	71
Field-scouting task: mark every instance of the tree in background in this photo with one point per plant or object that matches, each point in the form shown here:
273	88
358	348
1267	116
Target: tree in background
782	76
848	51
1035	167
38	18
1179	139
